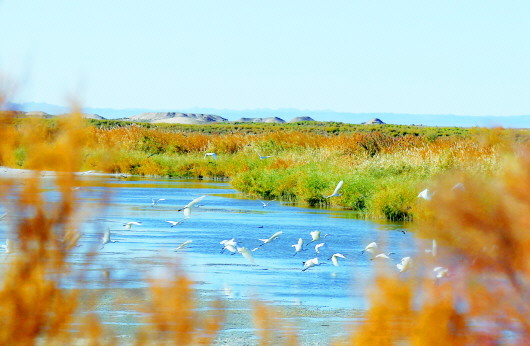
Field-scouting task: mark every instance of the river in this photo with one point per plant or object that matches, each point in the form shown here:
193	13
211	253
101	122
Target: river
275	276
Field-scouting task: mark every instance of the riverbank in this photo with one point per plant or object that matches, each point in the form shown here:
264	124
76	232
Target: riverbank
383	167
310	325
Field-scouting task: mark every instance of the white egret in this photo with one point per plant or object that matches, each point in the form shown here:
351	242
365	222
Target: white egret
426	194
246	253
8	246
155	201
186	208
315	235
406	263
458	186
334	259
371	248
262	157
128	225
382	256
336	192
183	245
266	204
272	237
310	263
318	246
298	246
440	272
232	242
106	238
230	245
434	249
214	155
176	223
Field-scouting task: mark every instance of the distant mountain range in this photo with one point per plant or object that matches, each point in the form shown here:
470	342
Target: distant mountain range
260	115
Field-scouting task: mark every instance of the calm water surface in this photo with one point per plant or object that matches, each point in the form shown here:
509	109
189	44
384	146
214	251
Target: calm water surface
145	251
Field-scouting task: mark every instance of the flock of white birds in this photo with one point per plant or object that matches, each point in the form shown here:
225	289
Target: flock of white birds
232	246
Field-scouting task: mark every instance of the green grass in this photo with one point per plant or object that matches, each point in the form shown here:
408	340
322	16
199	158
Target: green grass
383	166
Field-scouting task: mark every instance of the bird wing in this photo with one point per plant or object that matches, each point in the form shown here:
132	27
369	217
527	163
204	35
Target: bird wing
183	244
248	256
372	245
339	185
275	235
106	236
425	194
195	201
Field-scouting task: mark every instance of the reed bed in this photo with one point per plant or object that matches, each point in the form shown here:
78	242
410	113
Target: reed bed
384	167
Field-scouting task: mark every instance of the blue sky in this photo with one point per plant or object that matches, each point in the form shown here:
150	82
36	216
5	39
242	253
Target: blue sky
426	57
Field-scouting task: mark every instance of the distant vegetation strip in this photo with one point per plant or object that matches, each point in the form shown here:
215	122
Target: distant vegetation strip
383	167
320	127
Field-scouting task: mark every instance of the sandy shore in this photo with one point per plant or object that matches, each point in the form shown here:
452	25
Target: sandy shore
21	173
119	310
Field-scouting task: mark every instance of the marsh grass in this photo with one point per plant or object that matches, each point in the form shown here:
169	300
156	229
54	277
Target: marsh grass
384	167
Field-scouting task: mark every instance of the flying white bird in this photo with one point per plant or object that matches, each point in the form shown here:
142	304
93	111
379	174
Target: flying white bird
8	246
298	246
266	204
382	256
214	155
186	208
336	192
406	263
315	235
426	194
310	263
176	223
106	238
230	245
246	253
458	186
183	245
318	246
440	272
155	201
272	237
232	242
371	248
128	225
262	157
335	260
434	249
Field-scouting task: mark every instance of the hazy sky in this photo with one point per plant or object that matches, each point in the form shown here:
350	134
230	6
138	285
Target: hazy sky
461	57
